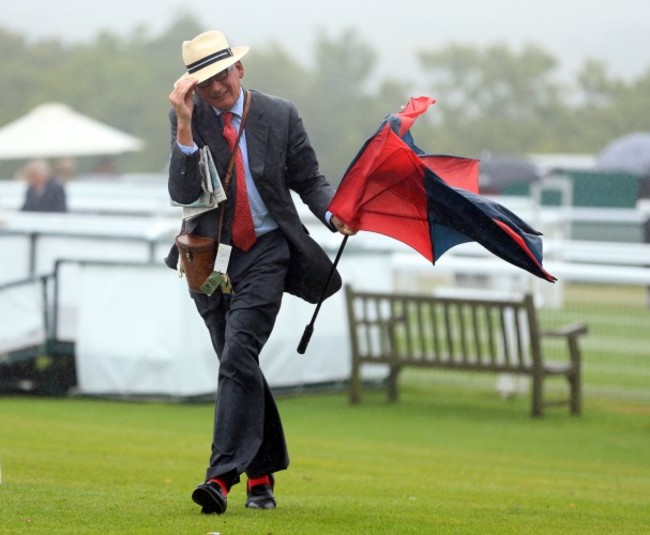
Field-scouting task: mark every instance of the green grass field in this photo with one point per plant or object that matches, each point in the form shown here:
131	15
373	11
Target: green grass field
444	459
616	352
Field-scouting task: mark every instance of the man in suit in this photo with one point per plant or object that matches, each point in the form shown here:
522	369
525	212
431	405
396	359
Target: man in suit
276	157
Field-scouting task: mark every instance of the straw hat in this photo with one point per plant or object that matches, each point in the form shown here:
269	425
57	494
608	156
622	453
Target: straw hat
208	53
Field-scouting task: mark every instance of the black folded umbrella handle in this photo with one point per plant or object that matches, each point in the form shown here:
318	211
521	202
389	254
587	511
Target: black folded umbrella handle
306	337
309	329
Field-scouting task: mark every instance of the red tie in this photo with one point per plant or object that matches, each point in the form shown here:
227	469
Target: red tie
243	229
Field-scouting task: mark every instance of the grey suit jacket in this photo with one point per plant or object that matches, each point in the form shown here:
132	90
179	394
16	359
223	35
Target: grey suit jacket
281	159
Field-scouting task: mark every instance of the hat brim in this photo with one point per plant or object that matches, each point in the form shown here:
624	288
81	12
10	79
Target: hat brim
238	52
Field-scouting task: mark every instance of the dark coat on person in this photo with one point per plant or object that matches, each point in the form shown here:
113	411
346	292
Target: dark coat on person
50	199
281	159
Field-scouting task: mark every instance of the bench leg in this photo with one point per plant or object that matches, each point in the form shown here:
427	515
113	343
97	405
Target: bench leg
576	393
537	395
355	383
575	379
391	383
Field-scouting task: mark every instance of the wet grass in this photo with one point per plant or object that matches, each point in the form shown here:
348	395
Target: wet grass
445	459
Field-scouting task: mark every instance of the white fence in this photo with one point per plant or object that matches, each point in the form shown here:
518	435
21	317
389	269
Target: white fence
101	303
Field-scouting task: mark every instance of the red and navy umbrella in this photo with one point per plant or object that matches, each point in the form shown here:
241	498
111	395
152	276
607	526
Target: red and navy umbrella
429	202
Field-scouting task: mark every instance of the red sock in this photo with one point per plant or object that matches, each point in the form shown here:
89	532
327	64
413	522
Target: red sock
219	482
264	480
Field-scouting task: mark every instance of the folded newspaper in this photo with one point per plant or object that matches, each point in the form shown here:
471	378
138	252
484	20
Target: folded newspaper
212	192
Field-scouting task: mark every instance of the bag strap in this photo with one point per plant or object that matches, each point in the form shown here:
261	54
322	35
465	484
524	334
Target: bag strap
231	163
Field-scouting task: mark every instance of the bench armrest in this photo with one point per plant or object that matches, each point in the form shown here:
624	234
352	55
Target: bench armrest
570	333
573	330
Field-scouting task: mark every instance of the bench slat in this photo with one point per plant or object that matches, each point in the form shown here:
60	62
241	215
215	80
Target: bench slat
489	335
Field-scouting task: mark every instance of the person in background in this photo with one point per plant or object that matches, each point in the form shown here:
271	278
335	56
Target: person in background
272	252
105	166
45	193
65	169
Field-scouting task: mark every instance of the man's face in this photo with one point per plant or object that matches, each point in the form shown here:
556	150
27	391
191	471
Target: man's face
222	91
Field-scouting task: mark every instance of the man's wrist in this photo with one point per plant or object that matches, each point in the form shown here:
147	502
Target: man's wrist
187	149
329	216
184	135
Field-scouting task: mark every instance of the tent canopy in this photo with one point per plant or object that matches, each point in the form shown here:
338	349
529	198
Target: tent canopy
629	153
55	131
499	170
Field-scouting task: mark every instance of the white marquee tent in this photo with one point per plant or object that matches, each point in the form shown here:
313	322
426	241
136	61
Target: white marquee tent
54	130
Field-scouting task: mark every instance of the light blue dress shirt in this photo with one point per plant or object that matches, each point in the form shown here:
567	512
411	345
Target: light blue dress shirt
262	218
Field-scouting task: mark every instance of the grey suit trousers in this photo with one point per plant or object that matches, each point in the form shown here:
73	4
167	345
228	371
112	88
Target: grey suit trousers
248	434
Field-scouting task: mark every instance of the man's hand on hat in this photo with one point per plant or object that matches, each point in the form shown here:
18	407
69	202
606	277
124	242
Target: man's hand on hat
182	98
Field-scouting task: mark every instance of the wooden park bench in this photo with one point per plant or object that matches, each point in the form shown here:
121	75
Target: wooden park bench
457	333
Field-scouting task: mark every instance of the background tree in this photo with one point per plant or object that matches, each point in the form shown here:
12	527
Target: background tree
335	101
493	98
123	82
341	111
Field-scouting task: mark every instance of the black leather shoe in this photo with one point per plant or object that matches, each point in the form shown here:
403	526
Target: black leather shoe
261	496
211	498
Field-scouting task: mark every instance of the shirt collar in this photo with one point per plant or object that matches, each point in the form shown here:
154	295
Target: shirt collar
238	106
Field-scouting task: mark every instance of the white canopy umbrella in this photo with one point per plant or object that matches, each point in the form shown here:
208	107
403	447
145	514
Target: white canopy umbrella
629	153
56	131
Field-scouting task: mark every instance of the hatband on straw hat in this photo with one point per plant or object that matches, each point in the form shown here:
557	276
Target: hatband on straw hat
208	53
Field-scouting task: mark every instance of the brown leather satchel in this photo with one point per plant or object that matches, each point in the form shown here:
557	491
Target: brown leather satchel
197	254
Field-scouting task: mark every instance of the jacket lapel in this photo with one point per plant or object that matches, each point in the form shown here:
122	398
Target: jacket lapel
257	132
208	127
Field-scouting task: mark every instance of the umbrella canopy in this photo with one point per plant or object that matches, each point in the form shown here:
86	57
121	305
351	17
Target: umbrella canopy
55	131
429	201
499	170
630	153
